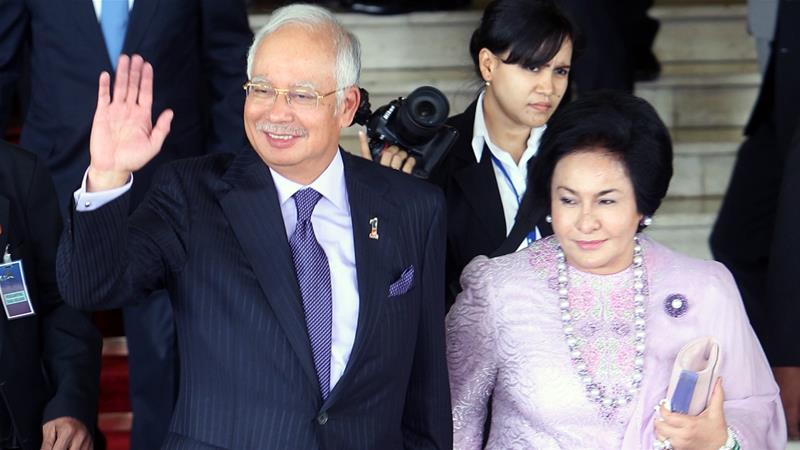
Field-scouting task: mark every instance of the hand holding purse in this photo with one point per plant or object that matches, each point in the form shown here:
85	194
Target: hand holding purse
694	375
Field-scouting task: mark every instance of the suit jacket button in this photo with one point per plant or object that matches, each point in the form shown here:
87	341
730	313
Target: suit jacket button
322	419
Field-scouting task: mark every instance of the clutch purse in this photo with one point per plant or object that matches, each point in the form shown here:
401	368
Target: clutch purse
694	375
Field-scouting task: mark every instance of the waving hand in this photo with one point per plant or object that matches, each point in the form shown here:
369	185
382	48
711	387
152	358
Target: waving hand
123	137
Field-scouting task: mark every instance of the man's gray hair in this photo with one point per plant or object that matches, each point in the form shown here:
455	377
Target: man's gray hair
348	50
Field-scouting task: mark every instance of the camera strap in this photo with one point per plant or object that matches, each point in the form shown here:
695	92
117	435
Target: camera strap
531	234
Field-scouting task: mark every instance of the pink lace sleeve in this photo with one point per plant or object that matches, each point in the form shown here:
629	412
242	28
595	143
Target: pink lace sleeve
471	339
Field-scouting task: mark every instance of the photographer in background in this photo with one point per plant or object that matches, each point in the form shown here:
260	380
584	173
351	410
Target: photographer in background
522	50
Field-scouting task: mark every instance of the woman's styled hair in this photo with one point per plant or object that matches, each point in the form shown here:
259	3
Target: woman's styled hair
531	31
620	124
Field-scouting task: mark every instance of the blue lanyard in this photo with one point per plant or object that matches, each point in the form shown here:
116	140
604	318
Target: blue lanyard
531	234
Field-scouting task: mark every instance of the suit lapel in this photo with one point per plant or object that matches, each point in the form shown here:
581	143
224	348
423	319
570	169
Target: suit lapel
250	203
531	214
85	19
525	222
374	257
138	23
479	185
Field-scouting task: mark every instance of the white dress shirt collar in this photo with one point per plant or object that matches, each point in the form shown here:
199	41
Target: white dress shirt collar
330	184
98	7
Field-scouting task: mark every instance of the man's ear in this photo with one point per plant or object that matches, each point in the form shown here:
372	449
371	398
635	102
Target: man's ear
349	105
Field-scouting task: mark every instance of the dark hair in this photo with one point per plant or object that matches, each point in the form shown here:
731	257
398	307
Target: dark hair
532	31
621	124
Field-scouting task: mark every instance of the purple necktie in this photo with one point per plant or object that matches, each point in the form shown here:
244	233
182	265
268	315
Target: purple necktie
314	278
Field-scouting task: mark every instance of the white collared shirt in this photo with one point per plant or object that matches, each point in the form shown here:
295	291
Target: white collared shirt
98	6
517	173
333	228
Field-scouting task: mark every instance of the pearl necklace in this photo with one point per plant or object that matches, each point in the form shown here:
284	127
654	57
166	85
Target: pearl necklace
594	390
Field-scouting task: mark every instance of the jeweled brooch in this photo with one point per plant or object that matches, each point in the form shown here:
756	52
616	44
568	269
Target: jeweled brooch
676	305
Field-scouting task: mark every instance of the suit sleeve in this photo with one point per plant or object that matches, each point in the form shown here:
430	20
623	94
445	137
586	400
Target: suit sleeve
226	38
71	344
107	260
782	293
440	176
427	421
14	28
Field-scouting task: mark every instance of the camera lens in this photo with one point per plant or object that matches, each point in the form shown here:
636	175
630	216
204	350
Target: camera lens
423	112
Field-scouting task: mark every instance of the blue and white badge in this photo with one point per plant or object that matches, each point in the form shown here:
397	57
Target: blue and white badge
16	301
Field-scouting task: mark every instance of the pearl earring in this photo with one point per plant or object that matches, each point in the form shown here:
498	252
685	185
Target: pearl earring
548	218
488	83
647	221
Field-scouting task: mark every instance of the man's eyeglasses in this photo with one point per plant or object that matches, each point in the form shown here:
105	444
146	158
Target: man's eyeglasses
306	98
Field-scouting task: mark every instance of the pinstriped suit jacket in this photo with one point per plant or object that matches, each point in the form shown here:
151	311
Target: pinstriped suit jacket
211	232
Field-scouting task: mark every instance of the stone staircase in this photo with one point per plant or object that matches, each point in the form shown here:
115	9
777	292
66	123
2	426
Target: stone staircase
705	94
708	85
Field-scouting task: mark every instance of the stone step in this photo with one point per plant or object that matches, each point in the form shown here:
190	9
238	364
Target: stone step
703	168
440	39
115	346
685	225
703	98
703	33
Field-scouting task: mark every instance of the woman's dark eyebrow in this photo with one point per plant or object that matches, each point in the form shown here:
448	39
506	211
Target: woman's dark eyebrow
599	194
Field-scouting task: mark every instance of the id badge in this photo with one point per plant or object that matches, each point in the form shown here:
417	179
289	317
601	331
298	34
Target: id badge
14	291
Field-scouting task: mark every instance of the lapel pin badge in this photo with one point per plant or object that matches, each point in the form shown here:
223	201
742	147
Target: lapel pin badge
373	232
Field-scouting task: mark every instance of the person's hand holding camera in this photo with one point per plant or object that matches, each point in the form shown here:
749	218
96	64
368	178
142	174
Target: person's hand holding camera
391	156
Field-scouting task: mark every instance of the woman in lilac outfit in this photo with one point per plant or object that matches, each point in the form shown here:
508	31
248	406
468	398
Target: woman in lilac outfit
574	338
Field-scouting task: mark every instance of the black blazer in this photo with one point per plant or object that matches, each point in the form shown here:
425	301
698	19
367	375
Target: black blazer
198	52
475	220
49	362
212	233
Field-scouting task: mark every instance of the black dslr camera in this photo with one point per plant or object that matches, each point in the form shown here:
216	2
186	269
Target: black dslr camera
415	124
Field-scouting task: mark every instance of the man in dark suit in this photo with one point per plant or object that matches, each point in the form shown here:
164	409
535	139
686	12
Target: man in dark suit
50	360
198	48
755	235
307	283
